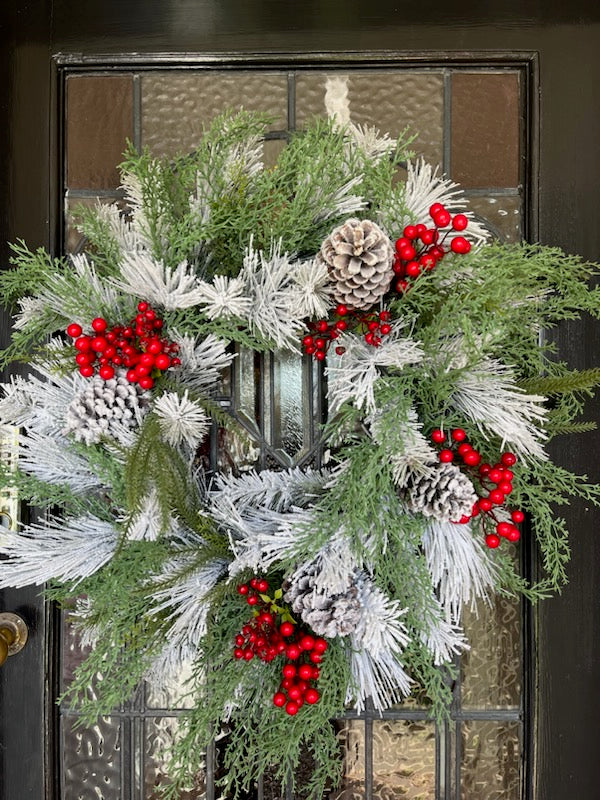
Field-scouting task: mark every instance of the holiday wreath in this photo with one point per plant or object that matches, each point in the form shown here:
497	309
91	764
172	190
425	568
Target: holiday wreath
289	594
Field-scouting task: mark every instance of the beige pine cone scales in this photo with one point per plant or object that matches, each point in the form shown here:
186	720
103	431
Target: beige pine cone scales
359	256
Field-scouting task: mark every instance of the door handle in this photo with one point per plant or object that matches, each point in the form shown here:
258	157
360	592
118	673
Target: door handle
13	635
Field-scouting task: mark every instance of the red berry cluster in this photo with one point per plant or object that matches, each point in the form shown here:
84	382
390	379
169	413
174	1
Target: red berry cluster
495	481
371	324
138	346
266	637
420	248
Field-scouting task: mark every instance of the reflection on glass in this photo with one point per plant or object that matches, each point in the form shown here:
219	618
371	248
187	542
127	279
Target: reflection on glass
287	389
491	669
160	733
351	735
491	758
92	760
403	760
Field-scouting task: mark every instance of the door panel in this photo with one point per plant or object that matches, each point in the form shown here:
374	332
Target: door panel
569	181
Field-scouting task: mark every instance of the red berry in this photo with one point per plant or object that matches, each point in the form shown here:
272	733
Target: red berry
464	448
435	209
508	459
141	371
385	329
99	344
322	326
252	599
142	306
495	475
262	586
316	673
517	516
503	528
428	236
99	324
128	332
341	324
286	629
401	243
248	654
243	589
407	253
320	355
463	520
106	373
497	497
279	699
154	347
410	232
492	540
131	376
294	693
472	458
149	314
438	435
485	504
238	652
427	261
446	456
147	360
292	651
286	683
74	330
311	350
508	474
305	671
442	218
460	245
266	617
315	657
239	640
460	222
475	510
292	708
341	309
505	486
458	435
83	343
320	343
311	696
87	371
514	535
307	642
339	351
484	470
83	359
401	286
307	341
175	362
289	671
413	269
320	645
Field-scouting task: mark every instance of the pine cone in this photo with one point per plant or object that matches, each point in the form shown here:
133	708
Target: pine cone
445	493
359	256
102	405
327	615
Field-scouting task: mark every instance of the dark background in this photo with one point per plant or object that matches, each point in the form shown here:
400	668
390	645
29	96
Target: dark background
567	38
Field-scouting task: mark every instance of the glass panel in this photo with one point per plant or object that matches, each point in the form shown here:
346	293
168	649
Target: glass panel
503	214
389	100
491	669
177	106
403	760
485	128
92	760
351	735
288	417
490	762
160	733
99	121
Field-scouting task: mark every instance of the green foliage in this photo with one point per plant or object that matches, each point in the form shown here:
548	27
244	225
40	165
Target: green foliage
29	270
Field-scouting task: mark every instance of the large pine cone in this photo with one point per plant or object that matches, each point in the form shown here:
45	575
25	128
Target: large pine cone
359	256
102	405
445	493
327	615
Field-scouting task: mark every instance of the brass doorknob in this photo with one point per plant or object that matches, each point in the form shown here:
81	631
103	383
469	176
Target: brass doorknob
13	635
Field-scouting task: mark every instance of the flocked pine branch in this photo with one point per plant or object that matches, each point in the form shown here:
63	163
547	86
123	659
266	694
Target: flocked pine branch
169	287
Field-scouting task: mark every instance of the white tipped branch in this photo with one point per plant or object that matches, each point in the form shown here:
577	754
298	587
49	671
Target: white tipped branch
410	453
460	566
224	298
169	287
202	362
353	375
181	420
278	491
489	396
62	549
52	460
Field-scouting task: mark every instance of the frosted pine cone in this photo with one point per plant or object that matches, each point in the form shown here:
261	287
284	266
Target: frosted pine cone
359	256
445	493
104	407
328	615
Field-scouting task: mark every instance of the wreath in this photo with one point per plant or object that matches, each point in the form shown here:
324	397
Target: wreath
286	595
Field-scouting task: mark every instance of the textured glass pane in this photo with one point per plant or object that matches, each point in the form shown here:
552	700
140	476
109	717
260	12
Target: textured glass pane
485	128
99	121
352	739
91	761
491	761
171	694
491	669
177	106
502	213
287	387
160	734
389	100
403	760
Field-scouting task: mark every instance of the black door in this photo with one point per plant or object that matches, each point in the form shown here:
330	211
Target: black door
556	51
